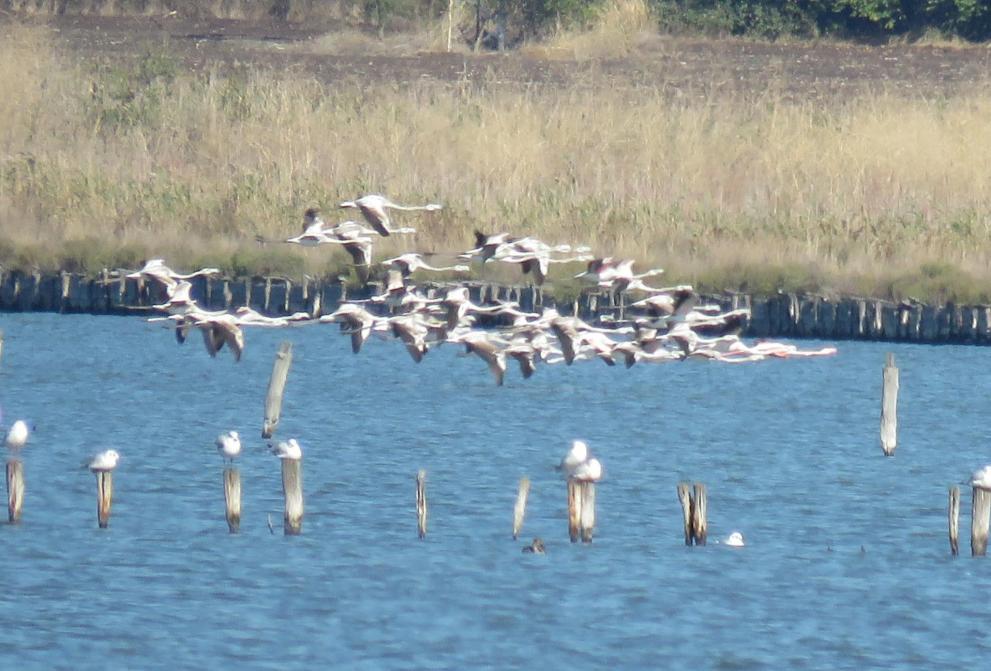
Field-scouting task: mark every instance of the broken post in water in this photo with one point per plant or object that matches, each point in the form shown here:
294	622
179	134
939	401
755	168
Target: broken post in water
700	525
587	517
276	385
693	512
421	503
15	489
574	510
685	496
232	498
889	407
292	489
519	510
980	513
954	519
104	497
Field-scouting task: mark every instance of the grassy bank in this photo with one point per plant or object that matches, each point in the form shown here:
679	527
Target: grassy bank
105	165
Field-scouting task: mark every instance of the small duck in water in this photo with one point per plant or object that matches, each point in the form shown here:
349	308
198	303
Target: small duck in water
536	547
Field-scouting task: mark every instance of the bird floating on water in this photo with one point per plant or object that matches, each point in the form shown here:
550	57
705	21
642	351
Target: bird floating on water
17	435
536	547
734	540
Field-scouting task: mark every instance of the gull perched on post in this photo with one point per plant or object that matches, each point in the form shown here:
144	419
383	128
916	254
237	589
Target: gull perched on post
229	445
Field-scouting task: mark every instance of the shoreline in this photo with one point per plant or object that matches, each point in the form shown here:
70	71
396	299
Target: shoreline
792	315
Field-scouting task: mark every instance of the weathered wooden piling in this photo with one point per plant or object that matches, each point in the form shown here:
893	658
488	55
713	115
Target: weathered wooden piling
15	489
421	503
700	524
954	519
587	518
276	385
1	345
292	489
685	496
519	510
693	510
104	497
232	498
574	510
889	407
980	514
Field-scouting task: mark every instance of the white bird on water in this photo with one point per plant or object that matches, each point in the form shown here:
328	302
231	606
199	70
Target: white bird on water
229	445
103	462
17	435
981	478
734	540
289	449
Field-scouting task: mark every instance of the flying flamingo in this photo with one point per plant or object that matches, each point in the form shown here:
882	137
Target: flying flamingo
373	208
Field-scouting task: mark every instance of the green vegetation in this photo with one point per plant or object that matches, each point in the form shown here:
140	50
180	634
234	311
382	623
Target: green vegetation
873	194
526	19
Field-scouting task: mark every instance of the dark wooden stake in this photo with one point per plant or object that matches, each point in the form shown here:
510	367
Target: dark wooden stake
232	498
980	513
276	385
15	489
954	520
104	497
292	489
889	407
421	503
519	510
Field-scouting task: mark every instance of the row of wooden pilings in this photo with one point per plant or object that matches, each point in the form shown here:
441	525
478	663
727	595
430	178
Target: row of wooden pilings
785	314
980	497
581	495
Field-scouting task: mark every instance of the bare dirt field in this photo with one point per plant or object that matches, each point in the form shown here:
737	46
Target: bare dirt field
679	66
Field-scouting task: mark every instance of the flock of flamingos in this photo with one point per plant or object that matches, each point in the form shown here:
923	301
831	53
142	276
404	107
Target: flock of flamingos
670	325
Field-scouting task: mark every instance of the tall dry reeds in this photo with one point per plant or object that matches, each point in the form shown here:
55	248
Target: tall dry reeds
103	166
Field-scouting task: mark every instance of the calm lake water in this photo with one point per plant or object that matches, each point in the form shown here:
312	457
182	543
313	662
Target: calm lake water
788	449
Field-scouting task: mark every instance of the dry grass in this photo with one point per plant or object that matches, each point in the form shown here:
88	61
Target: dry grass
617	28
878	194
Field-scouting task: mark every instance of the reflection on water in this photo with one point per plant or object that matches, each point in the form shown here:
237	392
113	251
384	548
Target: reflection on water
789	451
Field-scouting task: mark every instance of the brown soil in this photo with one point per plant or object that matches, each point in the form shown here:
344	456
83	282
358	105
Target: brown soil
677	66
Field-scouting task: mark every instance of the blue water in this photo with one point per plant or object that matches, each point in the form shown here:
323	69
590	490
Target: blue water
788	449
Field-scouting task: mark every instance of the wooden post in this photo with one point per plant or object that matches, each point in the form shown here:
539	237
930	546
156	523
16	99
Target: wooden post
699	523
519	510
15	489
421	503
1	344
276	385
980	512
574	510
889	407
588	511
232	498
954	515
104	497
686	510
450	23
292	489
